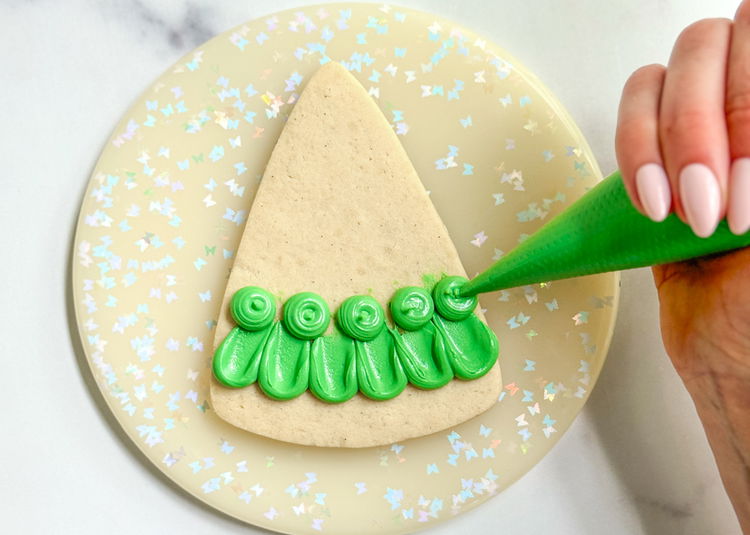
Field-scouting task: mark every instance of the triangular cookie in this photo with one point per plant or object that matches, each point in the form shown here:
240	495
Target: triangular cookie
341	211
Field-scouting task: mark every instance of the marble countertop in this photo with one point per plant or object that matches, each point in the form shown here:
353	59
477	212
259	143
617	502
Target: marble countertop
634	462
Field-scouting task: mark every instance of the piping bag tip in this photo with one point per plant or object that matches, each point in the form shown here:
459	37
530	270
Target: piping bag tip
598	233
466	291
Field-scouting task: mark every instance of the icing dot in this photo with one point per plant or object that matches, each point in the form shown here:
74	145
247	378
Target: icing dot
361	317
412	308
447	301
306	315
253	308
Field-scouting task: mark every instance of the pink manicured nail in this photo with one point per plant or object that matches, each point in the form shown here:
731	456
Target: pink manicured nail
652	185
738	210
701	198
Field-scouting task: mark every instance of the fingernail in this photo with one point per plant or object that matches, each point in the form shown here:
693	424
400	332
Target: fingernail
652	185
701	198
738	209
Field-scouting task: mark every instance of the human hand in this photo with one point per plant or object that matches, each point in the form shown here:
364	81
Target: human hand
705	315
683	133
683	144
705	325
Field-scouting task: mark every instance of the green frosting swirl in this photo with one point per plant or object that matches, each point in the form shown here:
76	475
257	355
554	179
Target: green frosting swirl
438	337
306	315
361	317
447	301
412	308
253	308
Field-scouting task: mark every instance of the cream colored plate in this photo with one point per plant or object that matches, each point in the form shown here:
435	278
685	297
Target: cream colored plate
164	212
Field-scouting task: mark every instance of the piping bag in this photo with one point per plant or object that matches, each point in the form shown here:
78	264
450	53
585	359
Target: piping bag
600	232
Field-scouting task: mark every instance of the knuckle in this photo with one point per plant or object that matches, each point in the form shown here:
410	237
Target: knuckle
646	76
654	70
701	32
684	122
742	15
737	109
632	131
636	139
629	148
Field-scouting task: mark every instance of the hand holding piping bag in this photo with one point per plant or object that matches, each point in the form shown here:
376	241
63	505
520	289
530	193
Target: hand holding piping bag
683	145
681	204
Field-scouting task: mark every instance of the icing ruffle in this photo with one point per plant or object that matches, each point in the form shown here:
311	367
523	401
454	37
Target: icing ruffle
436	337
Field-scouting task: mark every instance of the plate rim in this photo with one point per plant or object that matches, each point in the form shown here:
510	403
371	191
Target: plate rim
172	478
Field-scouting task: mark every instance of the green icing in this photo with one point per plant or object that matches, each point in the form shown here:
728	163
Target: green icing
333	369
436	338
285	366
237	359
412	308
306	315
469	345
253	308
447	301
425	364
379	371
361	317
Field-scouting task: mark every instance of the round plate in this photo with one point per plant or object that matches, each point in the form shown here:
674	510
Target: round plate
163	216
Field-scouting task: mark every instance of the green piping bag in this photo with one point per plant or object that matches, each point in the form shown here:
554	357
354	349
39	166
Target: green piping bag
600	232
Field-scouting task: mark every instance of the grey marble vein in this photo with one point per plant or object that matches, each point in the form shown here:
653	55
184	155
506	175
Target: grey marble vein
183	27
672	510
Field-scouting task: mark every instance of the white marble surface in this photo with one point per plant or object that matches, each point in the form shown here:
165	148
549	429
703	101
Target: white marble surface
637	456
